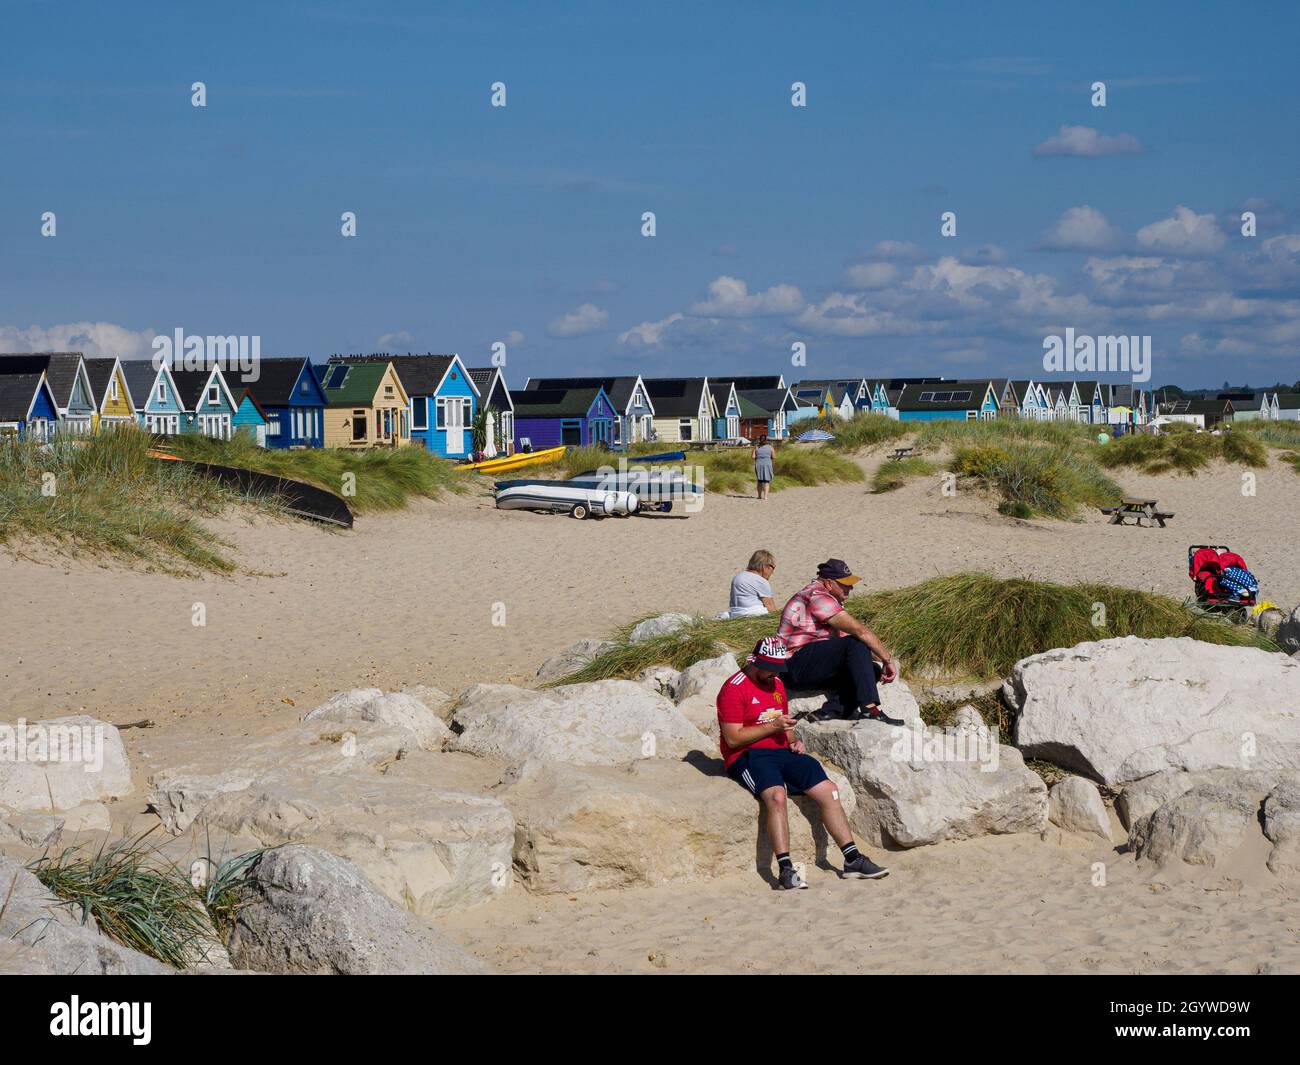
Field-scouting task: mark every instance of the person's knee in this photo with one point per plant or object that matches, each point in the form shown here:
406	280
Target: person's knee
858	652
774	798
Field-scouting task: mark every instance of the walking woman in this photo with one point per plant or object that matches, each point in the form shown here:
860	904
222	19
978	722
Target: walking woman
764	456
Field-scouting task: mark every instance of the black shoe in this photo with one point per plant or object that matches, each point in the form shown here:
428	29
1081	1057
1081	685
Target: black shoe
790	879
876	714
863	868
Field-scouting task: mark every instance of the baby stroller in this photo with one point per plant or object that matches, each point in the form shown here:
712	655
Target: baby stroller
1222	580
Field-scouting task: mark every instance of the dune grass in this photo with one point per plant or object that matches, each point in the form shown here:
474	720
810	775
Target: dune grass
1037	480
967	625
1004	431
1275	433
863	430
140	899
383	478
1182	451
891	475
102	495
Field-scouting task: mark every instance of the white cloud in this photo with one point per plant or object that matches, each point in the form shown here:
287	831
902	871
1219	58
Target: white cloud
897	249
729	297
514	338
1088	143
649	334
586	319
1082	229
848	315
1183	233
870	275
90	338
395	342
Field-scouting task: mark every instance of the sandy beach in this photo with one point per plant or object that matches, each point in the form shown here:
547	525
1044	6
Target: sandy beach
409	598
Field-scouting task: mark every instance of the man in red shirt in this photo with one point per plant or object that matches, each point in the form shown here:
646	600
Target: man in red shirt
754	735
831	649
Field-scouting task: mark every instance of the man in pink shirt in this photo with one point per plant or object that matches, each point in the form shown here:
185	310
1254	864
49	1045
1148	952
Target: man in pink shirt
834	650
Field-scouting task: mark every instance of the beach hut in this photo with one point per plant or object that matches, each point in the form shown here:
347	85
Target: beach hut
577	417
65	374
369	407
1288	406
1092	402
27	407
773	405
1021	399
288	394
208	408
158	405
1249	406
443	399
495	399
684	408
110	393
726	404
1202	413
833	399
250	418
628	394
972	400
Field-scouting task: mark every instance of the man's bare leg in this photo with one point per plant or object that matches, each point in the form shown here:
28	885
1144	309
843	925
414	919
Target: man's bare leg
778	826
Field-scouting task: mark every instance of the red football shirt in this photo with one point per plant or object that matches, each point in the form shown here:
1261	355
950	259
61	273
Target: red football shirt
743	702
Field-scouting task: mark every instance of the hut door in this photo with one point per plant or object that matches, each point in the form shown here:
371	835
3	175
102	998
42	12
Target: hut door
455	422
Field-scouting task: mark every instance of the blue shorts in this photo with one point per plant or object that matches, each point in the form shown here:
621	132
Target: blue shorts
760	768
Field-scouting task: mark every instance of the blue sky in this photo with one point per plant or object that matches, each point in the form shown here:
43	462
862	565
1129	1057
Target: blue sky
775	224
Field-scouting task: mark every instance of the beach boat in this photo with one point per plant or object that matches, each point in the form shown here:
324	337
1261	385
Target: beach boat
561	497
655	489
515	461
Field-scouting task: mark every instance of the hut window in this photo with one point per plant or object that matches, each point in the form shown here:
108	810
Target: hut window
359	425
112	388
440	414
273	425
419	412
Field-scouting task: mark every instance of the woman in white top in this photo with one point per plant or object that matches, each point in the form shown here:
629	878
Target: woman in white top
750	592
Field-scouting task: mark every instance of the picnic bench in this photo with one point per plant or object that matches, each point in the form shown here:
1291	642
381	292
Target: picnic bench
1137	509
902	453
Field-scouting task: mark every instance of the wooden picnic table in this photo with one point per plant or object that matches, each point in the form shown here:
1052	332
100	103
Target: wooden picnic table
902	453
1137	509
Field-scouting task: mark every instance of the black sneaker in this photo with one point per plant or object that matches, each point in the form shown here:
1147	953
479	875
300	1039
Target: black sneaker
790	879
863	868
874	713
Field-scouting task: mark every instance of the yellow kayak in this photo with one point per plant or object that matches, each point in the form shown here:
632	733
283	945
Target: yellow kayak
514	462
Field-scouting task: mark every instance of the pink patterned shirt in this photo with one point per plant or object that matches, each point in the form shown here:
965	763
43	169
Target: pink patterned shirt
804	619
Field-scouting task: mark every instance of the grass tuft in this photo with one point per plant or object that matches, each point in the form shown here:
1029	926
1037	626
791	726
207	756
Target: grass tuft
1182	451
1051	480
892	475
863	430
141	900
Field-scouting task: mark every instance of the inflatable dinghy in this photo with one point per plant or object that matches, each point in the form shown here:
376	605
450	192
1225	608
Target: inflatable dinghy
562	497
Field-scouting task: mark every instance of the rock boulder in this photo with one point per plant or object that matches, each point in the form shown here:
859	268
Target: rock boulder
1123	709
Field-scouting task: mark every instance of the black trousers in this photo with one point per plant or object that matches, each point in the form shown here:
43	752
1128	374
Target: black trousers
842	665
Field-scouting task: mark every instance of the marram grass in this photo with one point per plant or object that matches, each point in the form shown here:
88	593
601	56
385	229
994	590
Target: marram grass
102	495
139	898
383	478
965	625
